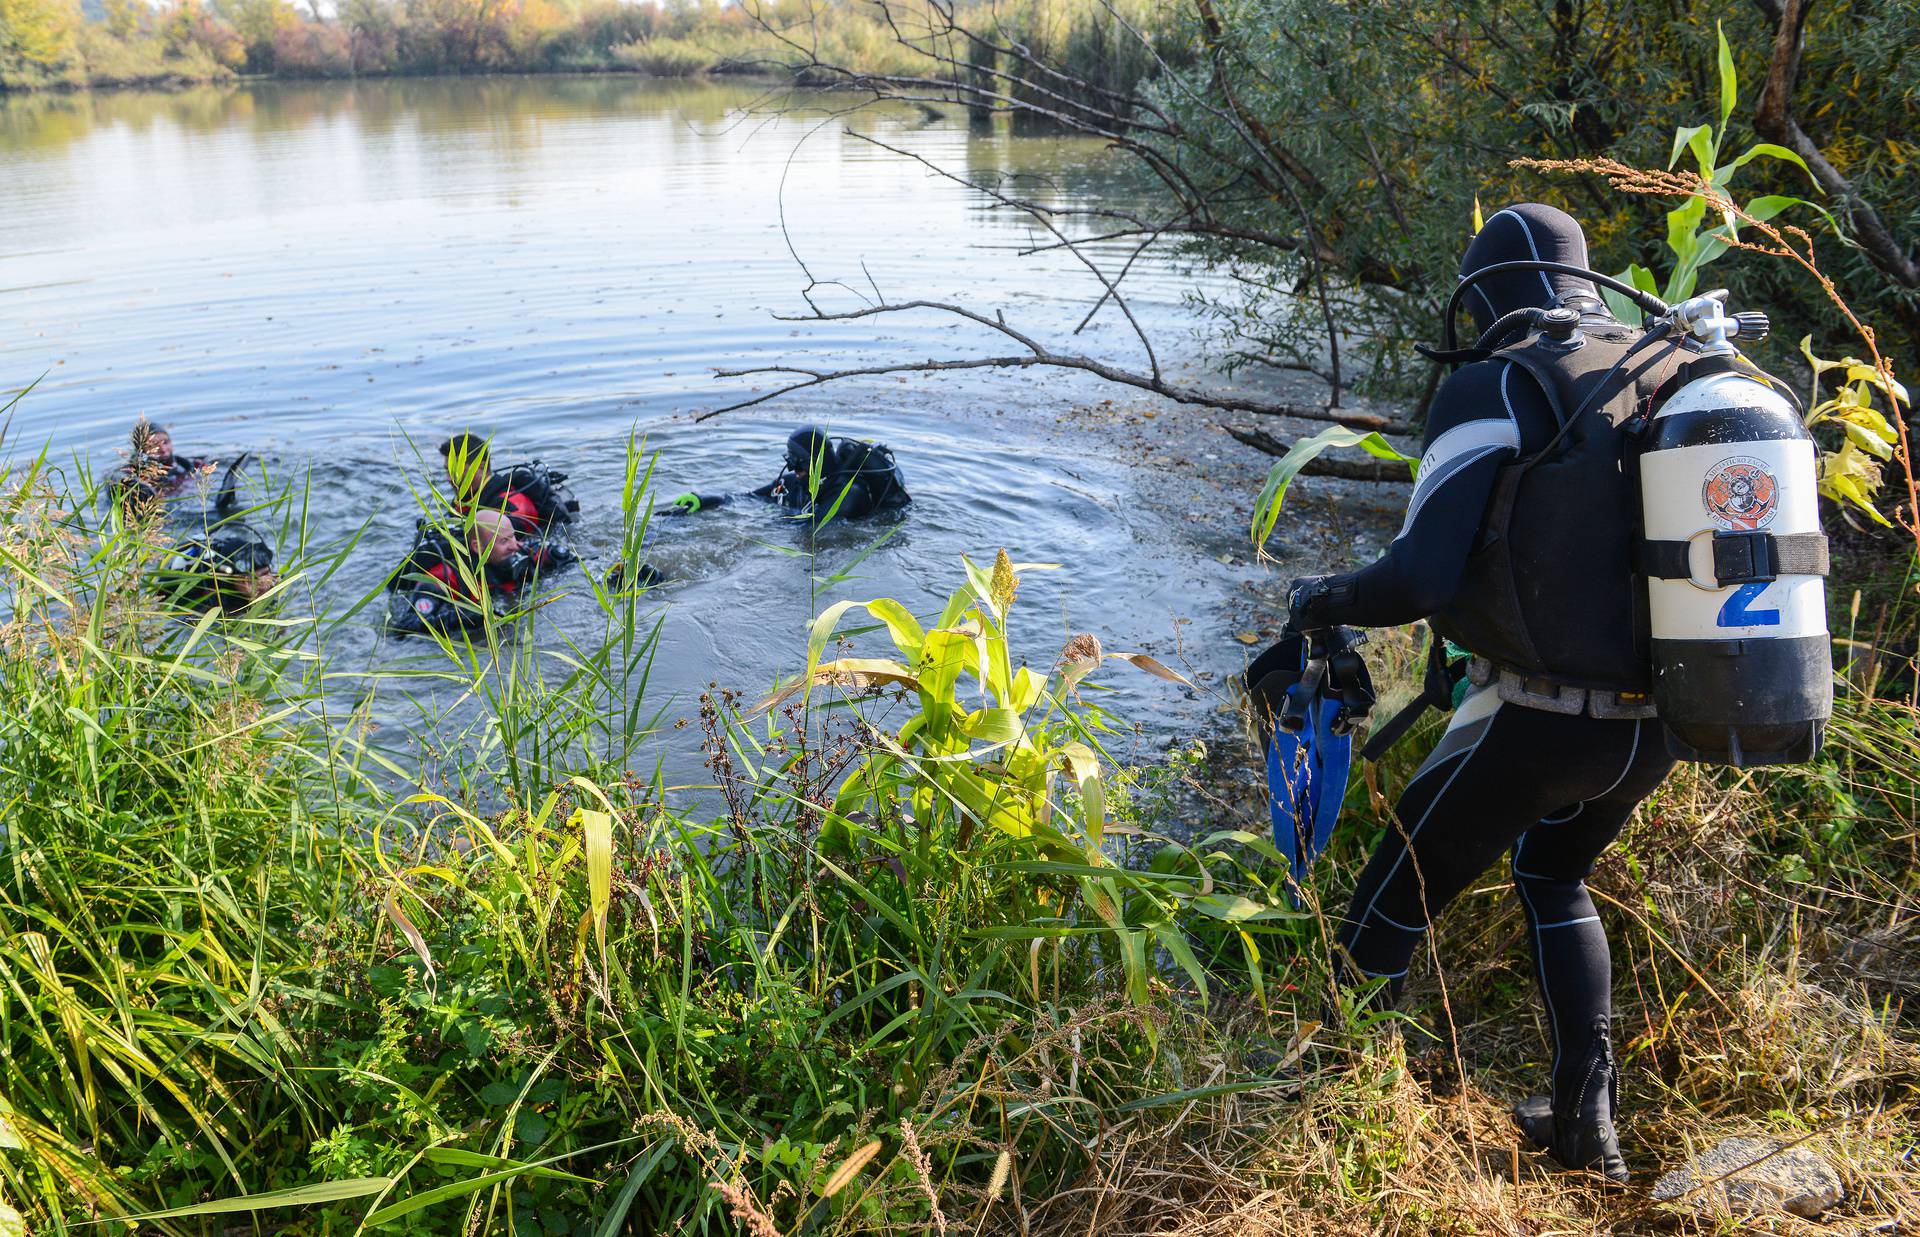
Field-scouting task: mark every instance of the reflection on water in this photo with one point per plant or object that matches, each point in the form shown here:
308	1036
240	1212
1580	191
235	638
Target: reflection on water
335	275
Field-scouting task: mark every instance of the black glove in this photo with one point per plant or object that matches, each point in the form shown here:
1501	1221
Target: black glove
644	576
1313	600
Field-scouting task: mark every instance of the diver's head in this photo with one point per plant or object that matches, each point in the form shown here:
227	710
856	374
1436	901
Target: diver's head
237	550
493	537
804	446
154	443
1527	231
467	464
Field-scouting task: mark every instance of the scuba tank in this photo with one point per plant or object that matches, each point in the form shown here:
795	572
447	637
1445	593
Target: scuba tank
1730	562
1735	560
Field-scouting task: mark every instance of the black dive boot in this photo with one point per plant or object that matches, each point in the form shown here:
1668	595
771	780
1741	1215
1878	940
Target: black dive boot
1579	1131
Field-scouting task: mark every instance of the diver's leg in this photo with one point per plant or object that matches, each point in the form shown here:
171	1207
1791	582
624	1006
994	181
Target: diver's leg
1551	863
1499	770
1478	790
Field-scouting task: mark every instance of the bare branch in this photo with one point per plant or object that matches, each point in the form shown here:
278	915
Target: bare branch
1037	355
1040	215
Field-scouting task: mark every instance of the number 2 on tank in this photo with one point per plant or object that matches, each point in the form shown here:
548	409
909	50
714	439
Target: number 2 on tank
1736	612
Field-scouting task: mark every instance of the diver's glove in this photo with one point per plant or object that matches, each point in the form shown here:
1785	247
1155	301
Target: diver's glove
1311	601
621	578
690	502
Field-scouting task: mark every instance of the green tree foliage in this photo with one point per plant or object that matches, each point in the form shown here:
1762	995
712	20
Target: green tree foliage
1383	126
37	37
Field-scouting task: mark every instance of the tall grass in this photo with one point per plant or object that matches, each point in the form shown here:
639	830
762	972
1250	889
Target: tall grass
247	952
929	959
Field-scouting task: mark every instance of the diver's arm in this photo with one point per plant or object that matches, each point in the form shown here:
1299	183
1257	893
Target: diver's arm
538	553
690	502
1473	431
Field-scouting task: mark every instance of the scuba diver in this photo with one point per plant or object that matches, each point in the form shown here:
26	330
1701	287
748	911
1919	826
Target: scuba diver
229	569
823	478
1529	542
152	470
536	498
228	566
444	588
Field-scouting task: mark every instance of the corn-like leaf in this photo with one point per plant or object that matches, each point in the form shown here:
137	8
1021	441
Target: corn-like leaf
1729	84
597	829
1153	666
297	1196
858	673
407	929
1266	508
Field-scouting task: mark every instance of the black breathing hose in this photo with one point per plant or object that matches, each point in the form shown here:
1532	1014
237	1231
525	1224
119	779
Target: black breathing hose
1650	304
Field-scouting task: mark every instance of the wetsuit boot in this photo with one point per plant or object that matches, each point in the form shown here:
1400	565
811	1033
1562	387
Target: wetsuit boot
1577	1128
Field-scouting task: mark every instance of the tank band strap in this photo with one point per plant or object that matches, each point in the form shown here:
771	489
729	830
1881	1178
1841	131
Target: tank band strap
1738	558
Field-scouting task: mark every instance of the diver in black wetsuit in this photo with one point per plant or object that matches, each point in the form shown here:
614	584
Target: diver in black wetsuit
443	588
228	565
229	569
823	478
536	498
1540	767
152	470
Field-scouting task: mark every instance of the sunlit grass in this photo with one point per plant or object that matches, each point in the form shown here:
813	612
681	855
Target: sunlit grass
934	958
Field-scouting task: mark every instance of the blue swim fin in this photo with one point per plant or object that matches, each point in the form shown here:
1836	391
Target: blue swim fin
1306	783
1307	701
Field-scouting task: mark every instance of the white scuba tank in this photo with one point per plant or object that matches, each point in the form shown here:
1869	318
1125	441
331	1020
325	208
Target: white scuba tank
1735	565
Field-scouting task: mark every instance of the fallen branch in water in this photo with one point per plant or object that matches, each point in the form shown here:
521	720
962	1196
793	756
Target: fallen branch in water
1037	355
1364	468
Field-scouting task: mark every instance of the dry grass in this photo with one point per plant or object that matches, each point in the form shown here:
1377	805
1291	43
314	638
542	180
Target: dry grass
1748	1004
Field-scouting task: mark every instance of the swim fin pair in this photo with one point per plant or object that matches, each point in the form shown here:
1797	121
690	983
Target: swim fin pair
1308	691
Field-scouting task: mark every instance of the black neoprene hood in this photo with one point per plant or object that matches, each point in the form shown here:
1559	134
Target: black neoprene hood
1525	231
804	446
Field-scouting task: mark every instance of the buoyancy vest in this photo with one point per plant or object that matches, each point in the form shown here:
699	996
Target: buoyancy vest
1549	589
533	496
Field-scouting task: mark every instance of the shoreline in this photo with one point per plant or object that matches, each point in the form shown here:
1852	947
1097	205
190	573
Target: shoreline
178	83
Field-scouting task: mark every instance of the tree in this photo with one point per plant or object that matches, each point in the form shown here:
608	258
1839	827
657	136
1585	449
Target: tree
36	36
259	23
1328	156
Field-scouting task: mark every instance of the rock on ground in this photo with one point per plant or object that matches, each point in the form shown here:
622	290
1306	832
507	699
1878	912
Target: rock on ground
1795	1180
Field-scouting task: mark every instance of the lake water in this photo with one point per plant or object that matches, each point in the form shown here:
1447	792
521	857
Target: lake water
336	275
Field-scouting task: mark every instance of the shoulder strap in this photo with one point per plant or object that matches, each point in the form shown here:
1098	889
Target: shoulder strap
1550	377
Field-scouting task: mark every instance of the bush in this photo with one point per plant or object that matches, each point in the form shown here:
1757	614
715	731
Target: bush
663	57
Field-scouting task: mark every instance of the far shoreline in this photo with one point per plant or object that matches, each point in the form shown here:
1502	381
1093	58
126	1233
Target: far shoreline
177	83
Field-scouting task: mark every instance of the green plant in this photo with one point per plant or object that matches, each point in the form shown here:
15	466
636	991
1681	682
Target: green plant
1691	247
1851	475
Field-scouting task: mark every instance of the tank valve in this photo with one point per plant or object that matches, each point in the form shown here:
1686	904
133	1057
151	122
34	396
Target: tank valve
1705	318
1751	325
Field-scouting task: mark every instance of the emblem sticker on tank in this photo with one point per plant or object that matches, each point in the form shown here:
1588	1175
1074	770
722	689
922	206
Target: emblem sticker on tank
1740	494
